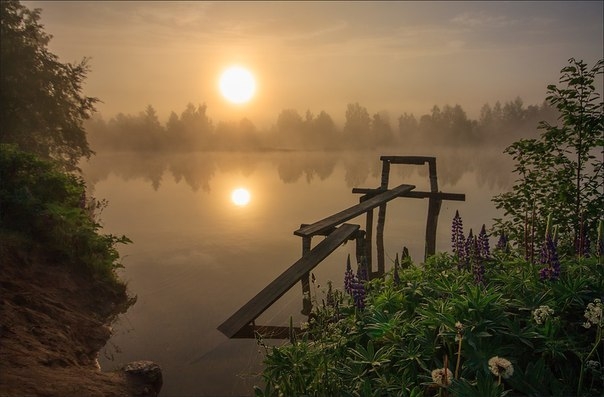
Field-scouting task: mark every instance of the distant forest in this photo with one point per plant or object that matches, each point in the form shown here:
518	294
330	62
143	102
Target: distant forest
193	130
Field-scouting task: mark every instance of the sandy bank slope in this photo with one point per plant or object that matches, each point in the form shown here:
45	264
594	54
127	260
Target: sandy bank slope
53	322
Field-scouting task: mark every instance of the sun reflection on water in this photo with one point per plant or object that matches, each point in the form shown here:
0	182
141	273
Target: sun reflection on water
241	197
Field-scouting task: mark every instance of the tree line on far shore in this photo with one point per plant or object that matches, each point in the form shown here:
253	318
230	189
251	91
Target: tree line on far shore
194	130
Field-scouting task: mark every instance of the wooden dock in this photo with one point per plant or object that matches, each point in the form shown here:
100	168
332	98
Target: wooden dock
242	323
257	305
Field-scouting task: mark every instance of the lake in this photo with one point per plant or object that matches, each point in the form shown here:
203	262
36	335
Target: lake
197	257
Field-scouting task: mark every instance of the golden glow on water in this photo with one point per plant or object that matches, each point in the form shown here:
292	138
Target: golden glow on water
241	197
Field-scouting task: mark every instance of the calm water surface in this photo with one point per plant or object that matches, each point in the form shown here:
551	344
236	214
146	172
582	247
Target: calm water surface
197	257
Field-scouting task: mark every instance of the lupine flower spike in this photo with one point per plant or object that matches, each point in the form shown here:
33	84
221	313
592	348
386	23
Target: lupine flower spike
549	256
405	259
348	277
362	271
469	246
396	279
331	302
457	239
502	243
475	259
483	244
358	293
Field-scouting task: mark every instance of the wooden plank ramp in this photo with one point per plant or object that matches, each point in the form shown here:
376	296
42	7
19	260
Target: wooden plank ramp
279	286
354	211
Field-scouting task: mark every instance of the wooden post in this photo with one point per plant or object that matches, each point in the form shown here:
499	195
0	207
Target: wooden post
360	245
368	238
379	237
306	302
434	205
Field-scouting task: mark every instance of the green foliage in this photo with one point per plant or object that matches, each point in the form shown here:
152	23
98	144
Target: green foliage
561	173
42	107
48	206
437	316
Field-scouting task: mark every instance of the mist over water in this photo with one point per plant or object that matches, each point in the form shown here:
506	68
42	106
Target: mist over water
490	166
197	257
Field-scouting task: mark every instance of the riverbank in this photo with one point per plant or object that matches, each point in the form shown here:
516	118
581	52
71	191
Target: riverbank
55	320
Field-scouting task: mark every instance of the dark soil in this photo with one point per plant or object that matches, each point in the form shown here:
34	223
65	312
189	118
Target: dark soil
53	322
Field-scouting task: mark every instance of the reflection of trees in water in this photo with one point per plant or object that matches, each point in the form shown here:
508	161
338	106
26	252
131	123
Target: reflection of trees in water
291	166
356	167
196	170
288	170
490	167
127	166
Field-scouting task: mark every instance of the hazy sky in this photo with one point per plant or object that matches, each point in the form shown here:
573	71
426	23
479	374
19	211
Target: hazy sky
388	56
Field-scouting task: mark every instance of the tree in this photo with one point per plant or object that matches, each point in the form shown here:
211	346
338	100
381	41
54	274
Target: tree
357	126
561	172
431	126
381	129
290	128
197	127
326	131
42	106
408	128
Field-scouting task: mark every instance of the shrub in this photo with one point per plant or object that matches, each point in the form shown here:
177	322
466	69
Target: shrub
438	331
49	207
561	173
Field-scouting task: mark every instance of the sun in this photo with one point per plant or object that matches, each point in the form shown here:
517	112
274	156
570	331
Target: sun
237	84
240	197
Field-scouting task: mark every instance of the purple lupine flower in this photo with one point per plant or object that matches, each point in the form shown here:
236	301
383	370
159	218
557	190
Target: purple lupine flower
469	243
348	277
467	251
405	259
362	271
330	300
395	276
484	250
502	243
475	260
457	237
549	259
545	273
358	293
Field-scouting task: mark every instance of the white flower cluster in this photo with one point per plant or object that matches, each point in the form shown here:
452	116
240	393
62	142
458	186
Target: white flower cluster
442	376
593	314
593	365
541	313
500	366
